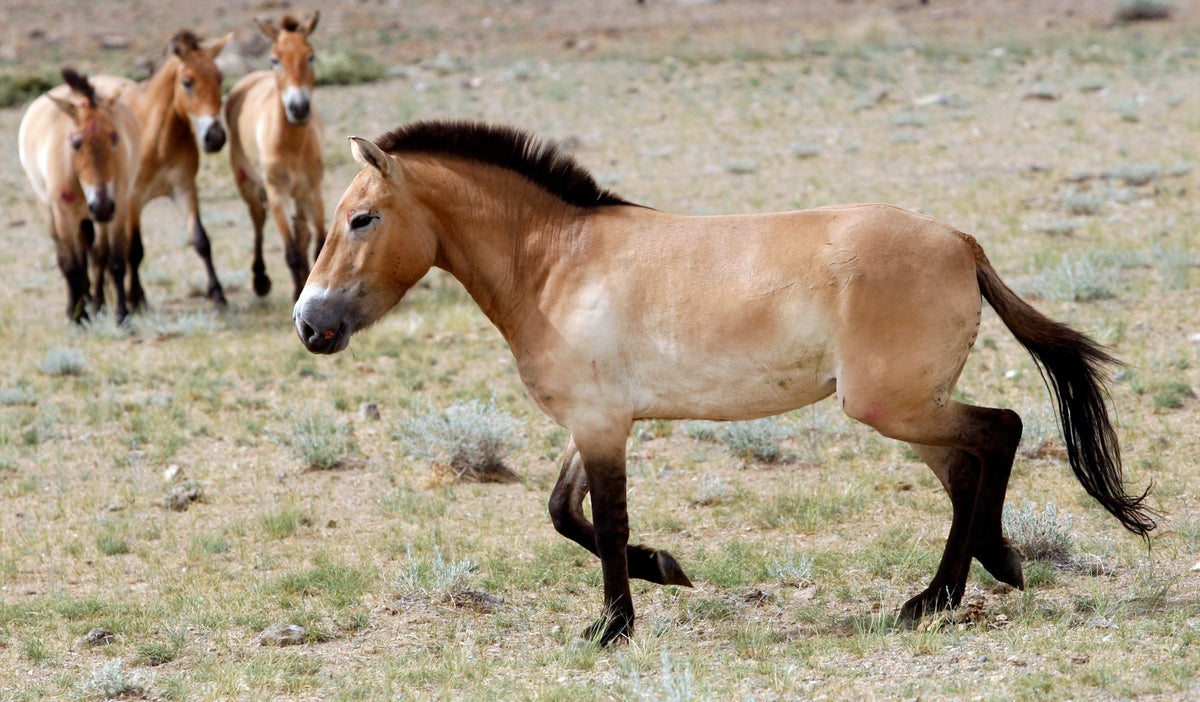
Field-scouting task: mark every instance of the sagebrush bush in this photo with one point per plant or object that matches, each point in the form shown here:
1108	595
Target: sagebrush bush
756	440
320	441
470	438
438	579
1039	537
63	361
1081	279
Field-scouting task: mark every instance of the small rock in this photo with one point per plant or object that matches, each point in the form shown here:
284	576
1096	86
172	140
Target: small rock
281	635
182	497
1196	568
96	637
369	411
1194	338
173	473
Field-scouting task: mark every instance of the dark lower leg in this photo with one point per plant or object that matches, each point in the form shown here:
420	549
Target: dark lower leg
566	512
137	296
204	249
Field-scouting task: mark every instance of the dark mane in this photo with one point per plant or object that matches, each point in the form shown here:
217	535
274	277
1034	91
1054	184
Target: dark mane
289	23
80	84
183	42
544	163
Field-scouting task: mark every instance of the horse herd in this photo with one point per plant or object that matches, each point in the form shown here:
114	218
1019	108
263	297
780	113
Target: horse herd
614	312
97	150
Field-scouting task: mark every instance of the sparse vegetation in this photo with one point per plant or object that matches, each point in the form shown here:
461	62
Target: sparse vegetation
470	439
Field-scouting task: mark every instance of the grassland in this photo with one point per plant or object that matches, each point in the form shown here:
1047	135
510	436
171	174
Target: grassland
1067	150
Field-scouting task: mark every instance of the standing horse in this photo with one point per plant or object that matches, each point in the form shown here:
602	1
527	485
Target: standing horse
80	152
275	148
617	313
177	106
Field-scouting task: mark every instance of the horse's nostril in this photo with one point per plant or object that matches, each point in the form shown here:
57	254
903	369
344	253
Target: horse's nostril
307	333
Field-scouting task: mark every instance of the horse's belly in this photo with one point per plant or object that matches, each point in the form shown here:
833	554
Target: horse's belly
733	388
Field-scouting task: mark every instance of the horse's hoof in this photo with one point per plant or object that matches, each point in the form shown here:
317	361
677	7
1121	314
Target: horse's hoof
1004	565
608	630
928	601
262	285
670	571
217	296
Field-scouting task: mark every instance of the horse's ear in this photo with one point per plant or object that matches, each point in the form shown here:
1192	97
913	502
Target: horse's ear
311	24
112	99
214	47
368	153
267	27
67	106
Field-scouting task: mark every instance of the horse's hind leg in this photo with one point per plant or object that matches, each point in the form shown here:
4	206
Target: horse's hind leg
202	244
962	442
566	512
959	473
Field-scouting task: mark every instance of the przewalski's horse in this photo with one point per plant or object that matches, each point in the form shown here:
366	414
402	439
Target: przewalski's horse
617	313
275	148
80	152
178	106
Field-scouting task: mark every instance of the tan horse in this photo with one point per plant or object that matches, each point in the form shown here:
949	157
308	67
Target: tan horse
176	107
80	152
617	313
275	148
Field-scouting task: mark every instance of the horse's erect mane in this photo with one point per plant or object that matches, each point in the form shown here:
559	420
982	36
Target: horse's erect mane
289	23
80	84
543	163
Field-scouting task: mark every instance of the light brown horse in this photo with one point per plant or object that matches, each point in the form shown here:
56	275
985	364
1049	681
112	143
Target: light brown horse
275	148
617	313
80	153
177	106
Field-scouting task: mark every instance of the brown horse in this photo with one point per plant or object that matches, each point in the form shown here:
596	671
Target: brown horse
80	152
275	148
177	106
617	313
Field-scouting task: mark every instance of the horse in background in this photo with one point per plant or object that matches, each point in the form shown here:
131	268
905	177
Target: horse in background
275	148
80	153
178	106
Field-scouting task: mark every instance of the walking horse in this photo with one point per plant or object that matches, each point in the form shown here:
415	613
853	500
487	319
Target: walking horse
178	106
80	153
617	313
275	148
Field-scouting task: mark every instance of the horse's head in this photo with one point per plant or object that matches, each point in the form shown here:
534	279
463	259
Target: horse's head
94	140
198	86
380	243
292	60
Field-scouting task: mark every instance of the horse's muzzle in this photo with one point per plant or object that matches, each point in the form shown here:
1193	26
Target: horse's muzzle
214	137
321	321
102	209
324	341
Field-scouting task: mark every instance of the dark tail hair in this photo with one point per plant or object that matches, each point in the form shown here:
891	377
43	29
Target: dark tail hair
1071	365
80	84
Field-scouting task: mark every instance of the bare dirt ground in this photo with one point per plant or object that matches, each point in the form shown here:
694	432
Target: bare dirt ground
121	32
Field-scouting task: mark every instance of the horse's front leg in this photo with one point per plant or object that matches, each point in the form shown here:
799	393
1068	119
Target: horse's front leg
604	465
566	512
201	243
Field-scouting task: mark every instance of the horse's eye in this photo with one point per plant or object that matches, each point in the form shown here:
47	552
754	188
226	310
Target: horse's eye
312	58
274	62
76	141
115	138
362	221
188	83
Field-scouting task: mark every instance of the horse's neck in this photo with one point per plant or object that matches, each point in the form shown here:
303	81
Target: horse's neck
155	103
500	238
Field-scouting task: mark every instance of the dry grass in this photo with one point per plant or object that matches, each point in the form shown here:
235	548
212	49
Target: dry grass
800	566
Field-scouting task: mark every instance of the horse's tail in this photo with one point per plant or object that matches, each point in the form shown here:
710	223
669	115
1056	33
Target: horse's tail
1072	365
